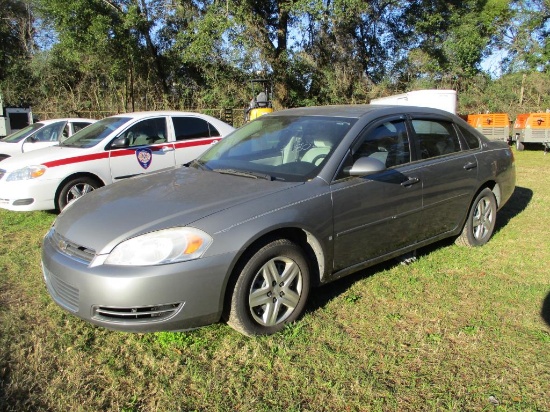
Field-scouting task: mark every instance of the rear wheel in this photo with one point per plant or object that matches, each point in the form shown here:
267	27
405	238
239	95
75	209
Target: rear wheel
519	146
480	223
75	188
271	290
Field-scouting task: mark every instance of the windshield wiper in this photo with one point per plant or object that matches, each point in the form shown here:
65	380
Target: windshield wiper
243	173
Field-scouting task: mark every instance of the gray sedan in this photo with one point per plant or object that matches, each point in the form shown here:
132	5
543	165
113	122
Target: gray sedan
290	201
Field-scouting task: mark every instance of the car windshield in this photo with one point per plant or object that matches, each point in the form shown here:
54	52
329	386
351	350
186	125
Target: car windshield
23	133
95	133
290	148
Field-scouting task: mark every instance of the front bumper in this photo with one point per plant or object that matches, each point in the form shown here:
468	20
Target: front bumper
28	195
171	297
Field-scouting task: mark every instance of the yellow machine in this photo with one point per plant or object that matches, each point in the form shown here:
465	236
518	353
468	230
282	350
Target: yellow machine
262	100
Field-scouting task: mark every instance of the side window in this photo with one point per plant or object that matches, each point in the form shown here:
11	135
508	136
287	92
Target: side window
79	126
435	138
471	138
50	133
213	131
190	128
387	142
146	132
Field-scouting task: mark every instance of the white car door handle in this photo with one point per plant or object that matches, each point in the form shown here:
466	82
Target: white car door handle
167	148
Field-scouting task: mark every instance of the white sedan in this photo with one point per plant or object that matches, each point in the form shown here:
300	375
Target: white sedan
40	135
110	150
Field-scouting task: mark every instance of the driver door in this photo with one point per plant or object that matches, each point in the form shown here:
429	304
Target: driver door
45	137
377	214
148	150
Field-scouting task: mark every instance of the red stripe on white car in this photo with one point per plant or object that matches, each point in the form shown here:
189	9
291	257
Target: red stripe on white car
126	152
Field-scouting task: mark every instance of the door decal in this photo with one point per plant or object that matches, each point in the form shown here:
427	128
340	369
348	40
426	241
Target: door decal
144	157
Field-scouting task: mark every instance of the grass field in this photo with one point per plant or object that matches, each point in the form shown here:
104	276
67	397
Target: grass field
460	330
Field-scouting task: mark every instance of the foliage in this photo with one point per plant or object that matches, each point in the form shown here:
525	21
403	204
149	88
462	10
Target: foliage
97	57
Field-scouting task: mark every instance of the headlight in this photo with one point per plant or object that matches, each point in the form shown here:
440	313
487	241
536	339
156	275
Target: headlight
29	172
162	247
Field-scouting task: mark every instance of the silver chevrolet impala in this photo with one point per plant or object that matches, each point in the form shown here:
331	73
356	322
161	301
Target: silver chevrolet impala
292	200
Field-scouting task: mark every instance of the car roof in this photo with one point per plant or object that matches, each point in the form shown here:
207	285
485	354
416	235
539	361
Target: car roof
65	119
356	110
135	115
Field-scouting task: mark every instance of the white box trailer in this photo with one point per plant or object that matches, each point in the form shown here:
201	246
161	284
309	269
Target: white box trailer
13	119
437	99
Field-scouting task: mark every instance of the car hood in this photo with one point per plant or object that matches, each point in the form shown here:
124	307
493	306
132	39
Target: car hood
178	197
41	156
11	149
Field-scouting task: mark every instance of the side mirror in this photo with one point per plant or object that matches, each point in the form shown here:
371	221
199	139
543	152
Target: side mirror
120	143
366	166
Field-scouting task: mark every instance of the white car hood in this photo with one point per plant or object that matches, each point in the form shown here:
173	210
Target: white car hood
41	156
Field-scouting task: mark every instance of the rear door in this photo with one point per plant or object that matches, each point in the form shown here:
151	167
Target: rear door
193	136
448	173
149	149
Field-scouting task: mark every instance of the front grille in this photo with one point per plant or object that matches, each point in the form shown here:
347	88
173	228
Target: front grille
69	248
64	294
137	313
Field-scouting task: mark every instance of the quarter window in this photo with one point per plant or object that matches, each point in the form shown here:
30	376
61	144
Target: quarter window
435	138
471	138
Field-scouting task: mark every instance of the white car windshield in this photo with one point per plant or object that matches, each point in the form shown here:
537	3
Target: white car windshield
290	148
95	133
23	133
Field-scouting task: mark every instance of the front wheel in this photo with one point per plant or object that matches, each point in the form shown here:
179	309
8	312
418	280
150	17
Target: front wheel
75	188
481	220
271	290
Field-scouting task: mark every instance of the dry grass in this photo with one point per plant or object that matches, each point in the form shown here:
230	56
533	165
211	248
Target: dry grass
460	329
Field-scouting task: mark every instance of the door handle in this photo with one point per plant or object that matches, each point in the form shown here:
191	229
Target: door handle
410	181
166	149
470	165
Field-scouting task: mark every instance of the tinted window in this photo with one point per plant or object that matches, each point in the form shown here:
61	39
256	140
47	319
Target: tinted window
435	138
388	142
79	126
190	128
213	131
471	138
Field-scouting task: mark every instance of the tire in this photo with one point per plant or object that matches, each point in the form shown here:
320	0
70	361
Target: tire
480	223
271	289
75	188
519	146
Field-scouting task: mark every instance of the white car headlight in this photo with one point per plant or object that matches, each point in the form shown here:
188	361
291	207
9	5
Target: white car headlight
26	173
162	247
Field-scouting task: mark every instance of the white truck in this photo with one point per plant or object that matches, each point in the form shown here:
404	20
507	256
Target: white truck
436	99
13	119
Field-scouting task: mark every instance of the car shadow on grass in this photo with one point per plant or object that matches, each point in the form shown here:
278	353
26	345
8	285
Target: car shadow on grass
545	311
320	296
517	204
